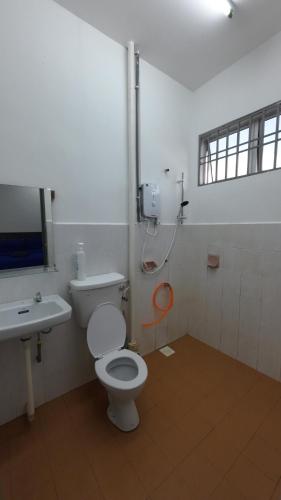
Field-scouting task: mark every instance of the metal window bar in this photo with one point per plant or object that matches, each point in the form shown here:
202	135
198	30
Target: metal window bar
260	144
237	150
257	140
276	137
254	146
249	161
217	156
226	157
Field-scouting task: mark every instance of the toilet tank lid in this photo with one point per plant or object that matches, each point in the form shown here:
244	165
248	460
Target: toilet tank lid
97	281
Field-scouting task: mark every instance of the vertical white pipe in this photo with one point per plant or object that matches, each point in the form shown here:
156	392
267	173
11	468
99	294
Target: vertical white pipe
132	206
29	382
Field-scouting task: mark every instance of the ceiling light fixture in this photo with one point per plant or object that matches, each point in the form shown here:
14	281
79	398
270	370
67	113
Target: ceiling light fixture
226	7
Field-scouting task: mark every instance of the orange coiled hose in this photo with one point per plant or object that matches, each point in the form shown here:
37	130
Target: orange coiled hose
163	310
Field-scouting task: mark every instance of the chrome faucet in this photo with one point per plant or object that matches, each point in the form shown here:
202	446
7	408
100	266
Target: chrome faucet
37	297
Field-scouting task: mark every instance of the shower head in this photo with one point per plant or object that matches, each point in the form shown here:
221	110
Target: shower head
180	216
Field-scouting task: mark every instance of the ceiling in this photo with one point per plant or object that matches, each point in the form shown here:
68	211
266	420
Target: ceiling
187	39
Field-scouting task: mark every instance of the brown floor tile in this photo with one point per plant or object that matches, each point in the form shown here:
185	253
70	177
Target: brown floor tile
156	421
55	418
226	491
118	479
264	457
29	464
180	401
249	480
221	453
277	492
261	398
173	488
64	451
75	481
132	443
47	492
5	471
194	429
152	466
239	381
173	443
169	384
210	429
206	381
270	429
202	477
238	428
156	363
150	395
104	454
215	406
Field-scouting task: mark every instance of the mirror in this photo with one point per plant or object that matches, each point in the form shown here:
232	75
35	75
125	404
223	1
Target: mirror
26	229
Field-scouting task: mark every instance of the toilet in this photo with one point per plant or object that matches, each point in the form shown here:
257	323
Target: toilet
97	306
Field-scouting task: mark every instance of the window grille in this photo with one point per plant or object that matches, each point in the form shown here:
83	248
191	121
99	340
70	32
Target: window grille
243	147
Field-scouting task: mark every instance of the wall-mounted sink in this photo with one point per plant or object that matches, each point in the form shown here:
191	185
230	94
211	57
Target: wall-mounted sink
26	316
23	318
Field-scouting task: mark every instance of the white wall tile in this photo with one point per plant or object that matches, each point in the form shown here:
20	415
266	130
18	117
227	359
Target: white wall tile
230	312
66	362
213	307
269	361
271	263
234	308
246	310
249	325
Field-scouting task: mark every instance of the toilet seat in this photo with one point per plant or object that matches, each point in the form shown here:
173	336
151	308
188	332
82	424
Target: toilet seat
101	368
106	334
106	330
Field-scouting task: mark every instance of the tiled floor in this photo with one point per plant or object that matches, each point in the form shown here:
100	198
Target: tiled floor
210	429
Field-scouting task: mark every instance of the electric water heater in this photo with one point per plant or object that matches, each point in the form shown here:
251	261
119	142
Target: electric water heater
150	201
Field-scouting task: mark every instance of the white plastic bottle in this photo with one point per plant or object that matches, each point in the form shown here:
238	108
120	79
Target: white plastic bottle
80	262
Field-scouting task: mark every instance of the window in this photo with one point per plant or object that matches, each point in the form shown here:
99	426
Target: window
247	146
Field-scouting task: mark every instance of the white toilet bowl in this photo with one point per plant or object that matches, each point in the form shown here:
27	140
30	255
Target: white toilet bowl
122	372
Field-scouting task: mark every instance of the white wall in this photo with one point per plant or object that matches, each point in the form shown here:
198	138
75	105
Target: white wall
63	102
63	113
165	120
251	83
63	125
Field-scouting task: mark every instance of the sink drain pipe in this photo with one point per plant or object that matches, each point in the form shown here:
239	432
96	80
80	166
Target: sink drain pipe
26	342
29	382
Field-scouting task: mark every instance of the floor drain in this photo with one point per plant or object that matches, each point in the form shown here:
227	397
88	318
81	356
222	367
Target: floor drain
167	351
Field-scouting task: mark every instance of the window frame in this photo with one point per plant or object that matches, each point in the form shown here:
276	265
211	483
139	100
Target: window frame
256	141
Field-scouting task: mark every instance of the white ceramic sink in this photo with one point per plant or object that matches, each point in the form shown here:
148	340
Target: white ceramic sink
26	316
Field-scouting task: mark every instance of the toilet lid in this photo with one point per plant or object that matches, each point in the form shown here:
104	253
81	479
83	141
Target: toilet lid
106	330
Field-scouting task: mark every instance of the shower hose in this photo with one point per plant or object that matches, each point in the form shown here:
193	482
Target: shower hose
162	310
